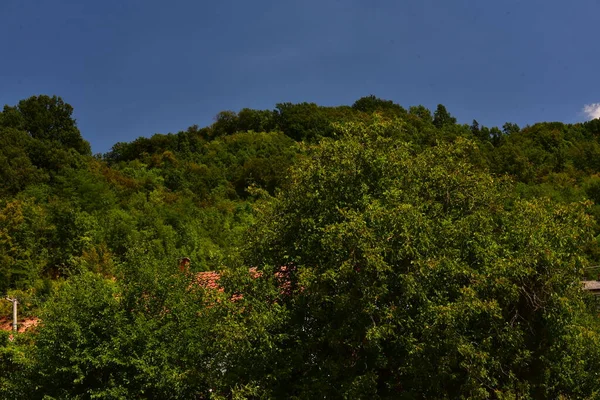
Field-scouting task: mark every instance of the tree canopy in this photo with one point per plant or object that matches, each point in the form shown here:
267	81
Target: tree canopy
363	251
419	275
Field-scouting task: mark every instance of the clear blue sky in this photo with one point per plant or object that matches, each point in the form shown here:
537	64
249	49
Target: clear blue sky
134	68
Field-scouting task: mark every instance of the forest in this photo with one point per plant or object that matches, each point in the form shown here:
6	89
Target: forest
364	251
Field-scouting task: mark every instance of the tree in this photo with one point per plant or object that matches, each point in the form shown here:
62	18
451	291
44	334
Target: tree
48	118
103	339
256	120
303	121
16	168
76	354
420	275
422	112
441	117
495	136
226	123
371	103
24	233
475	128
152	333
510	128
15	363
593	126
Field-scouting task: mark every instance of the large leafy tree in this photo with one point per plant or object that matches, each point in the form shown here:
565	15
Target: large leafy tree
418	275
151	334
47	118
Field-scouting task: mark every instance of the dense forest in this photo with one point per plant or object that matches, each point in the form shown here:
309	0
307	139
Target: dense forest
364	251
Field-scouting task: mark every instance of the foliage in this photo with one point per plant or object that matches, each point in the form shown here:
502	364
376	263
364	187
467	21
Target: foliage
15	365
47	118
420	275
401	255
153	333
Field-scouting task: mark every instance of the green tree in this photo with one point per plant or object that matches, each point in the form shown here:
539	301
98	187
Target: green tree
475	130
510	128
256	120
371	103
226	123
76	353
151	334
593	126
16	169
48	118
421	112
419	275
441	117
24	235
15	366
303	121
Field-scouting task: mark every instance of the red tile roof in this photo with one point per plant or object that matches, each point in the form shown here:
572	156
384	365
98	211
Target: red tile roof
23	324
210	280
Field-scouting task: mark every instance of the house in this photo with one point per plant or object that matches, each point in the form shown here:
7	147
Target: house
24	324
210	279
593	287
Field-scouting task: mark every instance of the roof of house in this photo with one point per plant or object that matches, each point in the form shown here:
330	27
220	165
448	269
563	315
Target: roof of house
591	285
23	324
209	280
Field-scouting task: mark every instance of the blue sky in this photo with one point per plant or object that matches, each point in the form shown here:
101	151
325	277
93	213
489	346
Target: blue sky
134	68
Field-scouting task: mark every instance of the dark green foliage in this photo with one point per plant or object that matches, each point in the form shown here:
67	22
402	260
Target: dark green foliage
421	276
24	248
226	123
74	354
442	118
15	366
422	113
140	337
256	120
475	129
510	128
423	258
304	121
593	127
47	119
17	170
370	104
153	333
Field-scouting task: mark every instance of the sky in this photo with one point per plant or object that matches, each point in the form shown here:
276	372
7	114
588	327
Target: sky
133	68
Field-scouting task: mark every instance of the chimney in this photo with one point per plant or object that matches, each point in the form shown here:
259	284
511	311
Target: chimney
184	264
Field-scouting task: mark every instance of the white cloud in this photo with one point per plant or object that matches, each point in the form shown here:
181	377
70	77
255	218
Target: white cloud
592	111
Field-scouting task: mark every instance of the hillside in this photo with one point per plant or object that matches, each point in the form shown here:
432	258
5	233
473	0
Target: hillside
424	255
